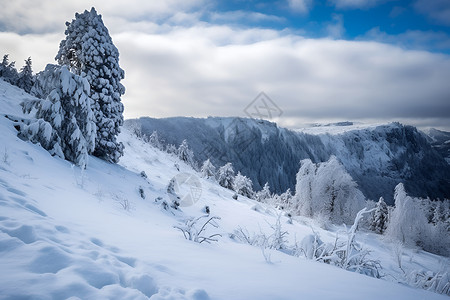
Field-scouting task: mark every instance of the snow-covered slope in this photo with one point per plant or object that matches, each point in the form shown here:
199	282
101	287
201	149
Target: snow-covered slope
65	234
377	156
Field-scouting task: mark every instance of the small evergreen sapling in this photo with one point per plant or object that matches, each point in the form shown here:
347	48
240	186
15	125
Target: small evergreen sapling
225	176
380	217
208	170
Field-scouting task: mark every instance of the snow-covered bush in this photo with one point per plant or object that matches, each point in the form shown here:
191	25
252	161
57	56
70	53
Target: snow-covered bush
283	201
430	281
225	176
346	254
276	240
64	122
198	229
243	186
88	51
208	170
326	190
264	195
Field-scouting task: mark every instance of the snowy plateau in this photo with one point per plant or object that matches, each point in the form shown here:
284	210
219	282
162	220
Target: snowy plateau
107	233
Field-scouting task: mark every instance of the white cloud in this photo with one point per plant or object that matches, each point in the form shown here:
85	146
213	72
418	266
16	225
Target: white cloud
412	39
437	10
356	3
199	69
300	6
244	16
30	16
336	28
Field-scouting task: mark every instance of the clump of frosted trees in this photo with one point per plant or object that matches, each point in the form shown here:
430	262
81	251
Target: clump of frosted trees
23	79
78	110
326	192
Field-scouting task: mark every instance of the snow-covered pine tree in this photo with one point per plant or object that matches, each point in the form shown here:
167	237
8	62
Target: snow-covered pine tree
243	186
65	123
8	70
225	176
89	52
264	194
154	140
208	170
184	153
380	217
26	79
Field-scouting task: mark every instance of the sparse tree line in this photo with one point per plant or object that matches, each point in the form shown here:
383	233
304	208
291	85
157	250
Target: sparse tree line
77	111
327	193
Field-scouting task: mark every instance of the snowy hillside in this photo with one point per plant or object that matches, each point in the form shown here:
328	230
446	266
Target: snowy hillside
67	233
377	156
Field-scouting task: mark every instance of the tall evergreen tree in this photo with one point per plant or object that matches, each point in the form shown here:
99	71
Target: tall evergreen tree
26	79
89	52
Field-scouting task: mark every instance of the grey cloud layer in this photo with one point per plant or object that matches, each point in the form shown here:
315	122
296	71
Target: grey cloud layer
188	67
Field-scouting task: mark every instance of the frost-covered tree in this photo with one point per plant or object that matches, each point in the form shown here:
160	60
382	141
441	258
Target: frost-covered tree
408	221
225	176
264	195
154	140
326	190
380	217
243	186
208	170
284	201
303	200
185	154
65	123
26	79
88	51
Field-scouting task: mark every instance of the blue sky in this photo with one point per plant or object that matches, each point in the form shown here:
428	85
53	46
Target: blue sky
405	23
319	61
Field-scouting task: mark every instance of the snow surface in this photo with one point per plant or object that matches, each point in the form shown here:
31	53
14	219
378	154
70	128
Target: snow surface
65	234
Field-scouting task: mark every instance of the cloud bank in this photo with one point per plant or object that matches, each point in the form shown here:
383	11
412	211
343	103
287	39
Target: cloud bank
178	64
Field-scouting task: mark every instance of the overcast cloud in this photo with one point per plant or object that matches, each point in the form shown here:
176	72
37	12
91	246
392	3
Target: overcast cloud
178	64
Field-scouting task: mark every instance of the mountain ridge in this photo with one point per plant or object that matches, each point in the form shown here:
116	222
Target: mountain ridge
378	156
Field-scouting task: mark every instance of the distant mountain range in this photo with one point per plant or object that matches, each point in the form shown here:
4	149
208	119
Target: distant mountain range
378	157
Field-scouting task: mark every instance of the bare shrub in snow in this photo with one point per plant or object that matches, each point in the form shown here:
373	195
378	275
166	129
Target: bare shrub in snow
276	240
430	281
123	202
198	229
346	254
